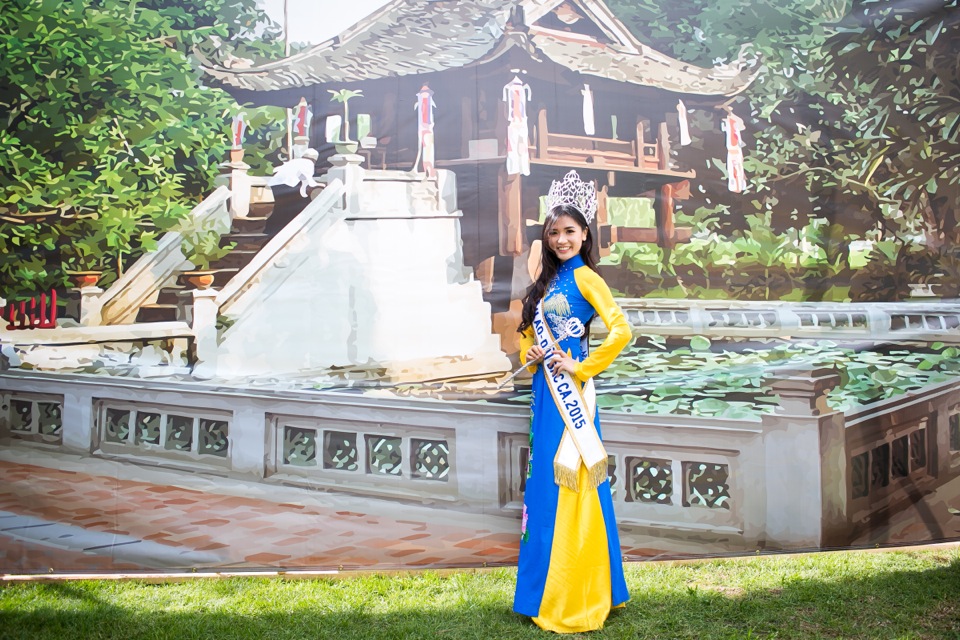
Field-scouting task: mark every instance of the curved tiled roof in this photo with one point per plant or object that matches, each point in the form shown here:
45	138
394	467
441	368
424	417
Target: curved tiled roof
648	67
408	37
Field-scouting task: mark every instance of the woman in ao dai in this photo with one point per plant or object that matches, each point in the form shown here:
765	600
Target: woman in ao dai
570	572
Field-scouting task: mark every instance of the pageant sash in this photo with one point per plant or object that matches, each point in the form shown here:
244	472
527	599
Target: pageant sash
580	441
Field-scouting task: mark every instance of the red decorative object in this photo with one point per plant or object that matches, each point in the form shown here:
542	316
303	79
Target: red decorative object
37	312
302	115
237	128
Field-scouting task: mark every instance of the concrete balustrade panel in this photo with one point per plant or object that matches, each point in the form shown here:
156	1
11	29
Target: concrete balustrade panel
785	482
893	321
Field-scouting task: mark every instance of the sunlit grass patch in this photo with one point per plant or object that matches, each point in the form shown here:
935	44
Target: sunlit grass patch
895	594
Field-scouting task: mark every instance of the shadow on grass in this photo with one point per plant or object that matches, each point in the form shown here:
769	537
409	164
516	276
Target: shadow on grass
671	602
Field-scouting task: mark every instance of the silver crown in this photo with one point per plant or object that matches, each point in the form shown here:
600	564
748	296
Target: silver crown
573	191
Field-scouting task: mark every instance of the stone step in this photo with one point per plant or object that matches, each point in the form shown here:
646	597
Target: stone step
233	261
248	224
260	209
246	241
224	274
424	188
159	313
172	295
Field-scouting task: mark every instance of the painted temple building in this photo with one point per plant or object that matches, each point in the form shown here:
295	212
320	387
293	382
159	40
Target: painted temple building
411	261
507	95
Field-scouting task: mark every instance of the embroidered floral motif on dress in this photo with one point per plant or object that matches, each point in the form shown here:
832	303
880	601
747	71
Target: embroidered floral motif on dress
557	304
524	534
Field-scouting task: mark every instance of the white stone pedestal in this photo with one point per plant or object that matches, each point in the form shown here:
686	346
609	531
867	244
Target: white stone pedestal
206	345
239	183
91	306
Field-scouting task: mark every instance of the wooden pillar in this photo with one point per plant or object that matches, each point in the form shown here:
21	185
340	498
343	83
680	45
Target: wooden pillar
510	213
604	231
663	142
663	208
501	126
640	142
468	123
542	135
484	273
389	136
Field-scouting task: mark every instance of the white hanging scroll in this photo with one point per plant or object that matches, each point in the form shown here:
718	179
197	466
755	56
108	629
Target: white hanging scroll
736	179
425	150
516	94
684	127
588	125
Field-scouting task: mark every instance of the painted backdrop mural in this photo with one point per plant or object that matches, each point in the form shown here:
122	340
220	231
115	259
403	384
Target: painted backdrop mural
260	295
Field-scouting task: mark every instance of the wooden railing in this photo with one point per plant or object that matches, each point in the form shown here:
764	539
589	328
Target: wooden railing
38	312
602	151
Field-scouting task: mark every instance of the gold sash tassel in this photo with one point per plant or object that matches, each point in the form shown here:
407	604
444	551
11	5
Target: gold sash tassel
597	473
565	477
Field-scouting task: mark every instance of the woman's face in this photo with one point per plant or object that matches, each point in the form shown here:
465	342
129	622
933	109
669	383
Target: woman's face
565	238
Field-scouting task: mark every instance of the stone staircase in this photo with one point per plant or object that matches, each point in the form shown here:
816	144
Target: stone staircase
424	196
175	302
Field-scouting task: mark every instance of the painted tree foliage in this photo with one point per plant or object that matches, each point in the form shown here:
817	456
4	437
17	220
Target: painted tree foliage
109	137
852	124
894	70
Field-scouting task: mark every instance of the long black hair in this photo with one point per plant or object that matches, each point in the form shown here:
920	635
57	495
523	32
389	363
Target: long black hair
550	263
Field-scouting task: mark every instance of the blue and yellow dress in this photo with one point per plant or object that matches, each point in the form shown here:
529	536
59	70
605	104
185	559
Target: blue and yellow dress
570	572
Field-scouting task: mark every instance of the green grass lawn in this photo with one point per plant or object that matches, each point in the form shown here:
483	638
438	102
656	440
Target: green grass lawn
862	594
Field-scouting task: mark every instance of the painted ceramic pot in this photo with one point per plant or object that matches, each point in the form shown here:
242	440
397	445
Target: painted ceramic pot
199	279
86	278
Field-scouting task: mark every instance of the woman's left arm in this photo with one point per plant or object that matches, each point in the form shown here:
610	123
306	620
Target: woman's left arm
597	293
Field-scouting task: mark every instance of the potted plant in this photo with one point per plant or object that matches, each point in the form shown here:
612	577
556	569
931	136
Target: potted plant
201	244
97	245
83	257
345	144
